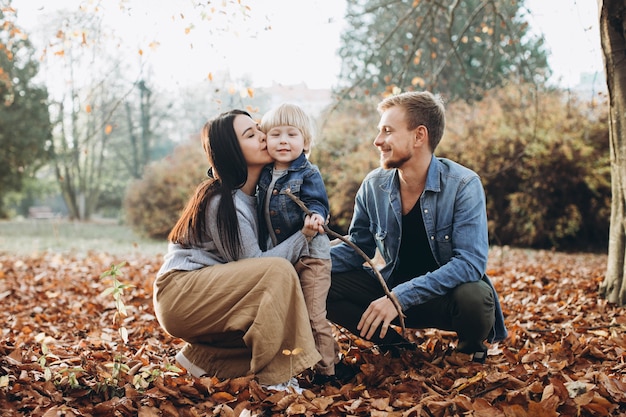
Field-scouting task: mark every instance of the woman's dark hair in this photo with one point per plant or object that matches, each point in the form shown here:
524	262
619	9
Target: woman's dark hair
229	172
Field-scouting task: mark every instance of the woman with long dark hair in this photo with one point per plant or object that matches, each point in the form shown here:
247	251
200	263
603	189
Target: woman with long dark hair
236	306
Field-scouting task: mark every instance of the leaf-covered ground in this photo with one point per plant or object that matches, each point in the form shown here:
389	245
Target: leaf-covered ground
62	350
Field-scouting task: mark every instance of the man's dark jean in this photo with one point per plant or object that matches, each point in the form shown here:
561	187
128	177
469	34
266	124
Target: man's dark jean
467	310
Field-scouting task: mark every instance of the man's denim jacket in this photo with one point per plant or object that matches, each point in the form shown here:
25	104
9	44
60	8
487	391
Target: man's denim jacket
305	182
454	211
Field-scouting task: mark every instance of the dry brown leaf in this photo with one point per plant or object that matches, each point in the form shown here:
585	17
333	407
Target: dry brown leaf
222	397
295	408
145	411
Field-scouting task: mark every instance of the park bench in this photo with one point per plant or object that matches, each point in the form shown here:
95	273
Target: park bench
41	212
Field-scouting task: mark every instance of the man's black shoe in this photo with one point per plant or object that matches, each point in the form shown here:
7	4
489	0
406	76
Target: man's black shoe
396	349
344	372
480	356
320	379
477	350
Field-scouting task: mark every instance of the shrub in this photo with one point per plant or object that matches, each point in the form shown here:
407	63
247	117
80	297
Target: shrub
153	203
345	153
544	163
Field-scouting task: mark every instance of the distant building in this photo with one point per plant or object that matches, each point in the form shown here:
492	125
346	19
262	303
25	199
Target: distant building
590	85
313	101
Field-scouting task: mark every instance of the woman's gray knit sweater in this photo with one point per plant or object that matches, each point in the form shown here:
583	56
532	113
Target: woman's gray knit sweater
212	250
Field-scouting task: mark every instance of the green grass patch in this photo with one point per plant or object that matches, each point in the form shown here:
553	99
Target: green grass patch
32	236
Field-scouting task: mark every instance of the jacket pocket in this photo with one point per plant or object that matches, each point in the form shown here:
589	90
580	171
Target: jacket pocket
294	185
443	240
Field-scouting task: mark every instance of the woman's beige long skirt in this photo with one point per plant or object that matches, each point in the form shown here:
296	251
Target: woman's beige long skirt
238	317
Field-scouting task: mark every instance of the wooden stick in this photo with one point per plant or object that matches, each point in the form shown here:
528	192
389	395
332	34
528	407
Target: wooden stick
360	252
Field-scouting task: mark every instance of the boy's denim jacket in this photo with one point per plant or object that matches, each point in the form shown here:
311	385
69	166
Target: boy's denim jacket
454	211
305	182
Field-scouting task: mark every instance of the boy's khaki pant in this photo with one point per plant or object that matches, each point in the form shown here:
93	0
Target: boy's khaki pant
314	276
238	317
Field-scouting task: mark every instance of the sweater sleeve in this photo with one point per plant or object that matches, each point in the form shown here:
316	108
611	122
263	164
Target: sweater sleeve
291	249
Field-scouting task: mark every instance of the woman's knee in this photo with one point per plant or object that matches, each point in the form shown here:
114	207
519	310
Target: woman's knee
277	269
266	264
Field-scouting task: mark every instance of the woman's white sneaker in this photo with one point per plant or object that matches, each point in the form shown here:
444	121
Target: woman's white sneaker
190	367
288	386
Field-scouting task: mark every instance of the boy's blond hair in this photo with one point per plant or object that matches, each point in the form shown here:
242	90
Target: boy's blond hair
290	115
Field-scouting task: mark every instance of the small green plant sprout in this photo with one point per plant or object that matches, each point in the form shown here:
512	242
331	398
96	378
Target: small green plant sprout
43	362
291	354
55	370
118	368
117	290
69	376
144	375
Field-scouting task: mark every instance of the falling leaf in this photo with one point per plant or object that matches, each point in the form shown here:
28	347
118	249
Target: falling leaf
418	81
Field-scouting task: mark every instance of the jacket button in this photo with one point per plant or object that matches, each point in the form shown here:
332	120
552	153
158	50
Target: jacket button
277	231
272	212
274	192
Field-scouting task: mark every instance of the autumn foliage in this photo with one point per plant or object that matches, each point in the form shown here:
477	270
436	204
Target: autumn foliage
543	158
61	352
153	204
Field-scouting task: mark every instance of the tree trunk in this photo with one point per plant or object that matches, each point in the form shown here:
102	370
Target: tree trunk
612	15
145	125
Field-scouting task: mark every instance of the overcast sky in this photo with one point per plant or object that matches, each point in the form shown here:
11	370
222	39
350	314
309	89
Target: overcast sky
302	42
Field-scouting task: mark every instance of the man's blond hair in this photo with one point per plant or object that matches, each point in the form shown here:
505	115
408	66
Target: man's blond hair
422	108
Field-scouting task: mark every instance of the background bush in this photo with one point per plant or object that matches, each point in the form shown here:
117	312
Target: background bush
152	204
345	154
544	162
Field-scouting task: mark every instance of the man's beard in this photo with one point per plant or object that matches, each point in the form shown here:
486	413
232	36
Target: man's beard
390	163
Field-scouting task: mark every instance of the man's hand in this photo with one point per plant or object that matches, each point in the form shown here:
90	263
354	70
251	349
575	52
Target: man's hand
379	311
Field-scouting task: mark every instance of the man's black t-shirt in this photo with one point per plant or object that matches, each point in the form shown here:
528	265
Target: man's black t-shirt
415	257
